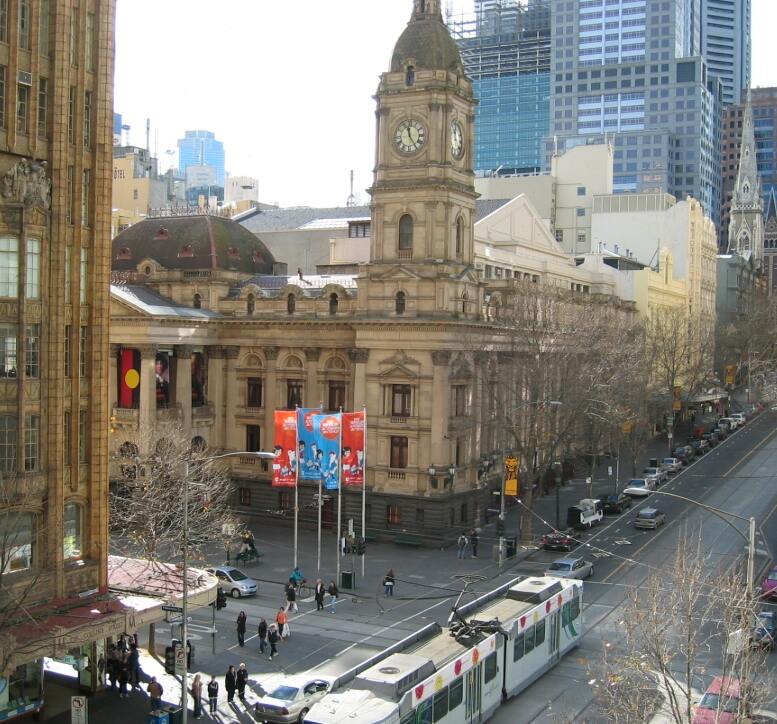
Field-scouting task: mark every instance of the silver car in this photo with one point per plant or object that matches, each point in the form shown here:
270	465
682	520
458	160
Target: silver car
234	581
649	518
673	465
290	701
570	568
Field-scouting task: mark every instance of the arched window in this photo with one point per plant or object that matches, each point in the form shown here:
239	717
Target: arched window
410	76
406	233
197	303
198	444
251	304
72	542
464	299
17	531
333	304
459	236
291	303
399	303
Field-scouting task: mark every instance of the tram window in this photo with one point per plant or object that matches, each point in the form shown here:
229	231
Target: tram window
574	609
518	647
539	636
409	718
490	667
528	639
440	704
423	714
456	695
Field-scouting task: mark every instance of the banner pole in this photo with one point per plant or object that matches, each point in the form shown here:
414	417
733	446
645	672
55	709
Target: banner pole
320	504
339	499
364	493
296	486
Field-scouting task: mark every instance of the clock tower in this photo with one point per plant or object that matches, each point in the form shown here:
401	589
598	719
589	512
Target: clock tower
423	195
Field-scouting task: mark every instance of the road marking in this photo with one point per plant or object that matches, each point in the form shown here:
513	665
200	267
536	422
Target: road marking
755	449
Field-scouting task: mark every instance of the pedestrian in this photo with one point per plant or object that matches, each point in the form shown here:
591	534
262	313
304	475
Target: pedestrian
262	633
319	594
333	594
283	623
123	676
111	665
272	638
462	545
241	628
155	692
474	539
197	696
230	683
242	680
291	598
388	583
213	694
133	664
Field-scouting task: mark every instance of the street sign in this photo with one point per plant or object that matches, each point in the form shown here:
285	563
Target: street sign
172	609
78	711
180	659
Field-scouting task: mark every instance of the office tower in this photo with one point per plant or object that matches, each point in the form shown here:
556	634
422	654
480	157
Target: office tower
505	47
629	71
726	44
200	148
56	132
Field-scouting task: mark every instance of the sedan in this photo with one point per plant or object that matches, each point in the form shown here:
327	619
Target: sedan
615	503
711	439
684	453
291	700
673	465
570	568
234	581
720	432
700	446
558	542
639	487
769	585
656	474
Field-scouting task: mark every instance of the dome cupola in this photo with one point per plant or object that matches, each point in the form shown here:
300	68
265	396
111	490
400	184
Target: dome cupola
426	42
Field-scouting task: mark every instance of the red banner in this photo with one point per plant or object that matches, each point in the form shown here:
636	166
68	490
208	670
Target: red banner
284	467
129	379
354	429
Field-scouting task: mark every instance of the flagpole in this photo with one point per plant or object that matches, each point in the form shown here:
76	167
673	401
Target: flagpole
320	504
296	485
364	492
339	499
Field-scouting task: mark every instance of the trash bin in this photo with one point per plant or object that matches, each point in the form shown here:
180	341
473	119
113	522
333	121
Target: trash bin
174	713
512	546
158	717
347	580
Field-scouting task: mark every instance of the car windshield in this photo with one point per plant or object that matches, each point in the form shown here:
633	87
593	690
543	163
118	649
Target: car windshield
647	514
637	483
237	575
772	576
713	701
285	693
669	461
560	566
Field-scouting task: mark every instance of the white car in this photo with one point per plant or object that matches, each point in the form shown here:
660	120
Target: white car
639	487
739	417
570	568
673	465
291	699
234	581
732	422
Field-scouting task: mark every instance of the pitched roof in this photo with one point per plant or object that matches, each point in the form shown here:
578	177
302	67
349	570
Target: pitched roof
155	305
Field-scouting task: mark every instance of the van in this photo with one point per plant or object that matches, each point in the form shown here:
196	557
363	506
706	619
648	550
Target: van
649	518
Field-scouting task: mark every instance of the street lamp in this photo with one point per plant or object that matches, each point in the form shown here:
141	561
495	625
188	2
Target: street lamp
558	470
185	563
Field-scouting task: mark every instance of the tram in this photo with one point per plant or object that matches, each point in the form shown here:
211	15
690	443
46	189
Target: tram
492	649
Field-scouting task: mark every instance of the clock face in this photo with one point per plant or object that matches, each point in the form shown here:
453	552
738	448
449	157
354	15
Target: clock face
409	136
457	140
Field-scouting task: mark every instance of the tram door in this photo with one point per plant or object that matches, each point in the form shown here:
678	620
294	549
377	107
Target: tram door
554	621
473	694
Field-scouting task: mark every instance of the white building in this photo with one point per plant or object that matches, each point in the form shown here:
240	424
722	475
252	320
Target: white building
241	188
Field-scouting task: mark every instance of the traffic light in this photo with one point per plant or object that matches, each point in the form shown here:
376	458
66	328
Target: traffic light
221	599
169	660
500	527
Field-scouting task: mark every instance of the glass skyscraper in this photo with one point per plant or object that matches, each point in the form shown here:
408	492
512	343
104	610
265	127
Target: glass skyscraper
200	148
726	44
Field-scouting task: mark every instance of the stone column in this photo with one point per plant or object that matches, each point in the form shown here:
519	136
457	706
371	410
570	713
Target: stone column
231	437
216	396
313	393
440	451
270	396
479	402
147	412
113	377
359	357
183	385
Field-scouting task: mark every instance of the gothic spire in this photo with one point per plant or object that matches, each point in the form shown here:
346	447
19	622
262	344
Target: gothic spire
747	191
771	207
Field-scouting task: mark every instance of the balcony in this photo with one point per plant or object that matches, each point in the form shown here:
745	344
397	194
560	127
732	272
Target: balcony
203	414
171	413
122	417
398	419
396	475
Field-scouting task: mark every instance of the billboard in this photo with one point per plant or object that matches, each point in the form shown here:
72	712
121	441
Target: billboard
309	454
354	431
284	467
327	430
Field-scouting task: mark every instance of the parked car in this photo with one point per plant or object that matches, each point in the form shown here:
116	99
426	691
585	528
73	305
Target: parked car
291	700
728	421
700	446
769	585
711	438
658	475
720	703
684	453
740	417
614	504
764	631
234	581
587	513
570	568
558	542
720	432
639	487
649	518
674	465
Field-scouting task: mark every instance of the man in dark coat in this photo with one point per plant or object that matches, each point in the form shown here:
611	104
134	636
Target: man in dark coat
319	594
241	628
230	683
242	680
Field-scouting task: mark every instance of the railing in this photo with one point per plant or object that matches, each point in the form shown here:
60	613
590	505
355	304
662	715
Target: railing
246	460
399	419
396	475
125	414
404	254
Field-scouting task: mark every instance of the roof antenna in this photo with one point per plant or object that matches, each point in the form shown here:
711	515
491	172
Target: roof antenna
352	198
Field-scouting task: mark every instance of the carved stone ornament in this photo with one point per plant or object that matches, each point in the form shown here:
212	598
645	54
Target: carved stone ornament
312	354
26	183
271	352
359	356
441	357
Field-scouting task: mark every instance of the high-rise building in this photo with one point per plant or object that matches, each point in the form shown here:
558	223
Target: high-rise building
726	44
630	70
56	129
200	148
505	47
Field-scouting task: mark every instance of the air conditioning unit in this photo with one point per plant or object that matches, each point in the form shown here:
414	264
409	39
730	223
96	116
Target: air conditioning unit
24	78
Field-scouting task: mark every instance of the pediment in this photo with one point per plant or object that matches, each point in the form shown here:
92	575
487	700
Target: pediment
120	308
399	371
400	357
397	272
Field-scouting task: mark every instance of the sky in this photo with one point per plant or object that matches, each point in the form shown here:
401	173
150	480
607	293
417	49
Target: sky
286	85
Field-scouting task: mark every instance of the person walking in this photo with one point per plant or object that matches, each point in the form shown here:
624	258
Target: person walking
123	676
197	696
155	692
388	583
462	546
319	594
213	694
241	628
283	623
230	684
291	598
242	680
272	637
111	666
474	540
333	594
133	664
262	633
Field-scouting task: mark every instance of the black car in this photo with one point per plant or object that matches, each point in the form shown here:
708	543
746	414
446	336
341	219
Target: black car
711	438
558	542
763	633
614	504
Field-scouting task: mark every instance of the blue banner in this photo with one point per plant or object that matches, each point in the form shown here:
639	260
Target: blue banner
327	430
310	457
